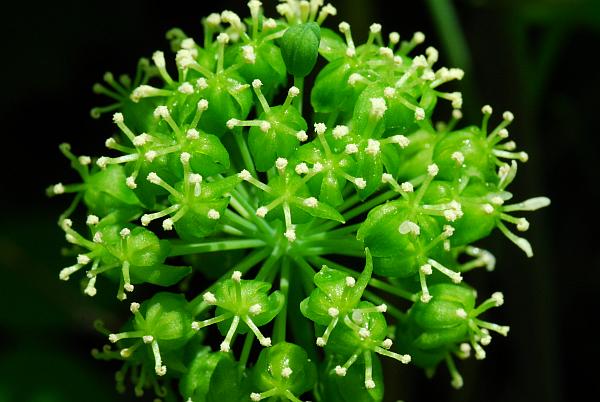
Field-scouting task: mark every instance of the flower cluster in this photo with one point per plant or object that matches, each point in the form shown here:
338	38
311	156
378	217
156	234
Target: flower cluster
223	165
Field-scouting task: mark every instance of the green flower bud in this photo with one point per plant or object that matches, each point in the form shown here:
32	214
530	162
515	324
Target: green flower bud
300	48
196	381
283	370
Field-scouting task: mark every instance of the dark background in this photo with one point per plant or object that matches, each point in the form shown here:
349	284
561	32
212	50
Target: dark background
532	57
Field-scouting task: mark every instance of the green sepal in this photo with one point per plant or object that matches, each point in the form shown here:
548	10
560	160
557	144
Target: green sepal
228	96
331	91
167	318
267	373
280	140
160	274
196	224
106	191
472	143
269	66
143	247
351	387
332	291
252	292
195	382
300	48
322	210
332	45
413	160
208	155
228	383
344	341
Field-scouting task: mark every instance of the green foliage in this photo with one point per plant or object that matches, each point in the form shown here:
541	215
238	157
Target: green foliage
295	201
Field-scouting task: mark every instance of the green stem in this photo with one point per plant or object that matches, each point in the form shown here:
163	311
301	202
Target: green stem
197	305
360	209
279	329
299	83
393	311
307	272
178	249
346	246
259	222
241	222
244	151
246	349
268	267
334	233
374	282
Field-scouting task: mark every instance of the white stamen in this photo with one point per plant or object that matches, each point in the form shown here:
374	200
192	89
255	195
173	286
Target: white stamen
97	237
378	107
498	298
83	259
457	114
202	83
317	167
460	312
400	140
231	123
375	28
266	342
341	371
58	188
508	116
213	20
369	384
386	52
186	88
487	109
394	38
103	160
281	163
84	160
320	128
354	79
389	92
360	183
364	333
150	155
311	202
409	227
255	396
147	339
503	133
213	214
224	347
153	178
373	147
167	224
419	113
433	170
248	54
92	220
209	298
223	38
387	178
244	175
426	269
293	92
351	149
161	111
448	231
286	372
125	232
255	309
236	276
407	187
418	37
118	118
185	157
265	126
202	105
333	312
382	308
290	234
301	168
523	225
262	212
387	343
134	307
192	134
257	84
301	136
459	157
